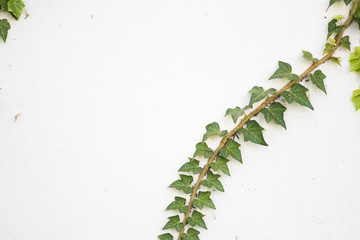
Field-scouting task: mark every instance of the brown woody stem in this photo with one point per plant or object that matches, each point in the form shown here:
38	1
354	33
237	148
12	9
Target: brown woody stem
257	110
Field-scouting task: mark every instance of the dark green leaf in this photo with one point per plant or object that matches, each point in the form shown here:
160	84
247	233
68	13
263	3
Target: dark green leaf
356	99
318	79
191	234
192	166
183	184
298	93
332	26
4	28
203	149
308	56
212	180
165	236
178	204
284	71
213	129
174	222
275	112
196	219
288	97
232	149
345	43
347	2
355	60
236	112
204	199
221	163
16	7
336	60
253	133
332	2
258	93
4	5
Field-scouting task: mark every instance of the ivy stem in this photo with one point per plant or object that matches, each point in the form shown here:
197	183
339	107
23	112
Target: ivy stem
257	110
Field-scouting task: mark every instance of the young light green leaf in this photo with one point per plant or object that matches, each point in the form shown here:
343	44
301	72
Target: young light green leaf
165	236
204	199
356	99
203	149
174	222
213	129
221	163
298	93
318	79
347	2
197	219
192	166
16	7
236	112
232	149
4	5
336	60
178	204
284	71
308	56
212	180
332	2
183	184
275	112
338	17
355	60
258	93
328	48
345	43
4	28
192	234
253	133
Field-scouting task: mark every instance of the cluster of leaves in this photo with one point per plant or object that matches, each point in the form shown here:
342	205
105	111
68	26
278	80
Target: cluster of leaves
15	8
251	131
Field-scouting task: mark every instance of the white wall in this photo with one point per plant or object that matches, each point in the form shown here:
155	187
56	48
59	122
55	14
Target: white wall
114	95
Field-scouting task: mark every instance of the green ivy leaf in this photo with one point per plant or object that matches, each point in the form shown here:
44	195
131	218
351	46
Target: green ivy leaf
345	43
297	93
356	99
236	112
258	93
332	2
308	56
4	5
178	204
191	234
183	184
203	149
221	163
284	71
328	48
197	219
16	7
204	199
275	112
192	166
232	149
336	60
212	180
318	79
253	133
331	27
213	129
165	236
174	222
347	2
355	60
4	28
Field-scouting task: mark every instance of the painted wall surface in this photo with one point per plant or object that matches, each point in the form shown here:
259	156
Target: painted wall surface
114	95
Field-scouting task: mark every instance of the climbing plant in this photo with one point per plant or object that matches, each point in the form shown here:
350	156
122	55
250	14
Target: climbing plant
15	8
198	182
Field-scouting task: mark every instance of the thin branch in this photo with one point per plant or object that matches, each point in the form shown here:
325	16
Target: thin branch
268	101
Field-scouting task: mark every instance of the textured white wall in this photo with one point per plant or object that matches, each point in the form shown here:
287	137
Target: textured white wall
115	94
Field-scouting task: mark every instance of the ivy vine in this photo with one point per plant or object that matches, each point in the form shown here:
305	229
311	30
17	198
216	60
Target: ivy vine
199	182
15	8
